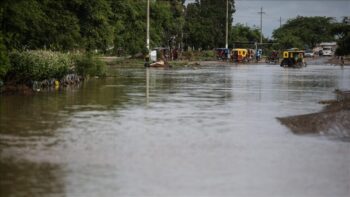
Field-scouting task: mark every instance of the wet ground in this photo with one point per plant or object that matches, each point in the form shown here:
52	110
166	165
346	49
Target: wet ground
333	120
206	131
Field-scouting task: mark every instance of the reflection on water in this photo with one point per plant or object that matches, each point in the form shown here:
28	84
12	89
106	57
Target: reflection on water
174	132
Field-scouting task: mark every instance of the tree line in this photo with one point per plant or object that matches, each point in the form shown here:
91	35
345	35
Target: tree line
119	26
307	32
89	25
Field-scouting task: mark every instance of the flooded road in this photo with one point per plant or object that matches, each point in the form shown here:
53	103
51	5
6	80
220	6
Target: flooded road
210	131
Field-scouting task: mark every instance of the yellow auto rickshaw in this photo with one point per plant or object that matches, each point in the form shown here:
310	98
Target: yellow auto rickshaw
293	58
239	55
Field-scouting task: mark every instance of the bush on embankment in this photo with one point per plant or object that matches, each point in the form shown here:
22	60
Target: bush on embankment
40	65
89	65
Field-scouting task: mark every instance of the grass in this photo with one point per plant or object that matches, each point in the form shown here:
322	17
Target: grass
128	62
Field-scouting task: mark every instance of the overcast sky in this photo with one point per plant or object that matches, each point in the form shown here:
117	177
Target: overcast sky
247	11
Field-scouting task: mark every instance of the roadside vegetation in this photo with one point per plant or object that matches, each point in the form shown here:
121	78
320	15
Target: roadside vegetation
49	32
38	65
38	69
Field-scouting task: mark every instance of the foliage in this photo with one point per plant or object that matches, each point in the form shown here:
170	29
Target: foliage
167	20
241	35
94	20
100	25
204	55
44	24
342	32
305	32
38	65
206	23
89	65
4	60
130	25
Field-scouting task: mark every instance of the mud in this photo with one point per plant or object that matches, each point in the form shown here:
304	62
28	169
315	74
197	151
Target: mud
333	120
337	61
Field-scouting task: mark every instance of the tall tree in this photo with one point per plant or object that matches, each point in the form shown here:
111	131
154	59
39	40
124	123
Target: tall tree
206	22
342	33
89	24
244	34
305	32
129	20
95	26
21	22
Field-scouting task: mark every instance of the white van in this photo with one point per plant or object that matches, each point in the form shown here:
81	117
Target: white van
327	51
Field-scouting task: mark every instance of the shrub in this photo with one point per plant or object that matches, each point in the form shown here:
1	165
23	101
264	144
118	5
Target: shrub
89	65
208	54
187	55
39	65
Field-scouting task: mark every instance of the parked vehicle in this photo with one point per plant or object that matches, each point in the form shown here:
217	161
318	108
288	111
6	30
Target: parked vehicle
239	55
327	51
250	55
320	52
328	48
273	58
293	58
222	53
309	53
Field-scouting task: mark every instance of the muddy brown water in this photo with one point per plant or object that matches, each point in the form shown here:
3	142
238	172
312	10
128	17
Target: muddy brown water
207	131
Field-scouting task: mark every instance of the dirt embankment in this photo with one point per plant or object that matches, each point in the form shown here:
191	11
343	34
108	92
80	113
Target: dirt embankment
333	120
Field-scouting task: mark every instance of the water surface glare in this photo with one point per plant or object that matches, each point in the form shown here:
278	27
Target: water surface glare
210	131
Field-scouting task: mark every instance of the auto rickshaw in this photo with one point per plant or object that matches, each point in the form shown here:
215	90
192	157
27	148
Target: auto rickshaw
293	58
239	55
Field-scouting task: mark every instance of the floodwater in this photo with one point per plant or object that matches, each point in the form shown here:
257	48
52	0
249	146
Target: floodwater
206	131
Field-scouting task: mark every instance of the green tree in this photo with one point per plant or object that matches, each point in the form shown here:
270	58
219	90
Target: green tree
4	60
67	25
244	34
21	21
170	13
38	24
305	32
129	23
94	18
206	23
342	33
60	28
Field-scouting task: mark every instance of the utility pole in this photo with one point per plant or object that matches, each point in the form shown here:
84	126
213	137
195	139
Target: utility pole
147	39
261	13
280	22
226	46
